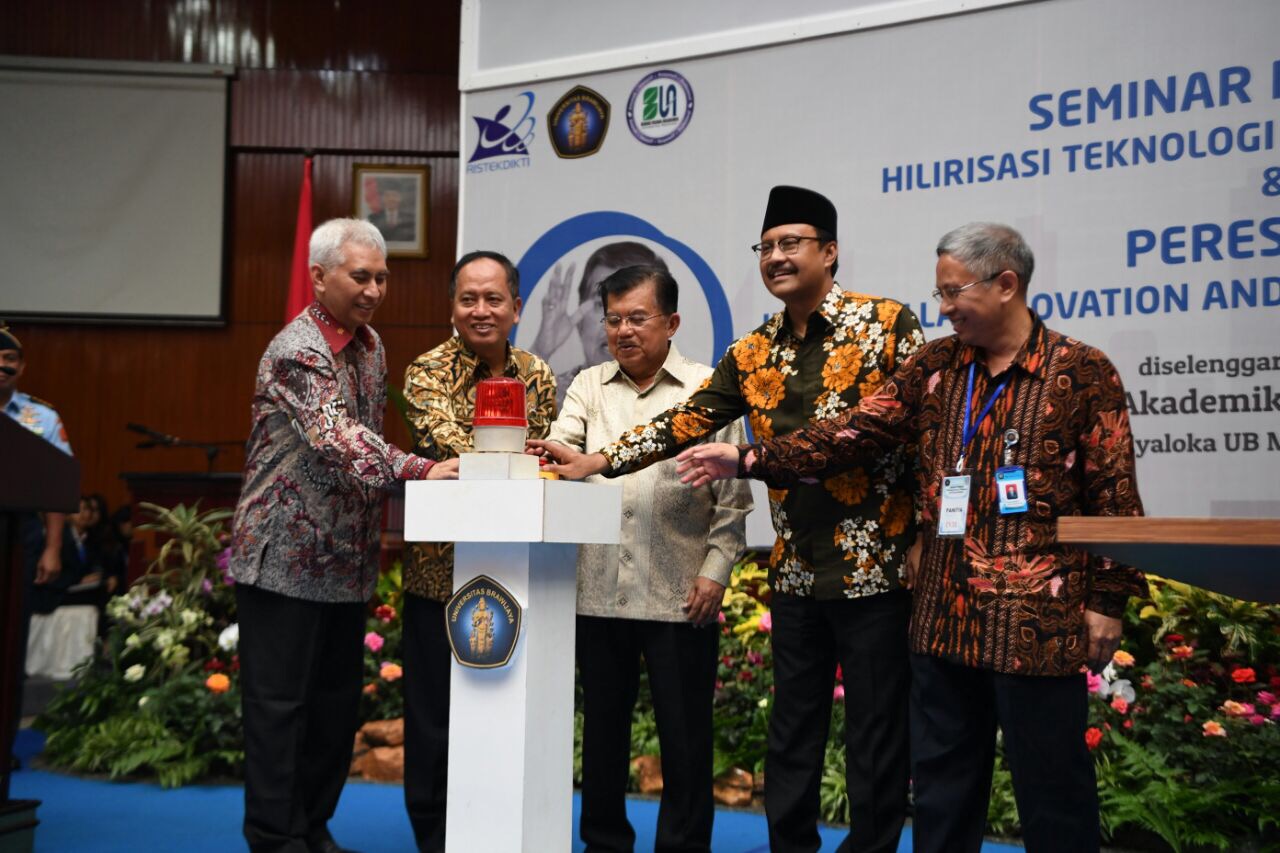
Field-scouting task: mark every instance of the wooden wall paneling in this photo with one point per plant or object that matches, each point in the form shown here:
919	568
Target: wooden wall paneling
390	36
341	78
347	110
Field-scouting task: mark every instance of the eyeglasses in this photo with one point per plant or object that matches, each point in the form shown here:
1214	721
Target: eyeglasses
953	291
635	321
787	245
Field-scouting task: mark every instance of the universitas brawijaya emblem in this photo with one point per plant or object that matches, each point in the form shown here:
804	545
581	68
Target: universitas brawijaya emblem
483	621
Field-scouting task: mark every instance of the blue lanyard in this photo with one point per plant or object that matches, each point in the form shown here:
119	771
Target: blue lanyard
971	429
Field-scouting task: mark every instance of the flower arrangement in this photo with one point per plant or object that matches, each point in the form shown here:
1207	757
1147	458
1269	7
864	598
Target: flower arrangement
1184	723
161	696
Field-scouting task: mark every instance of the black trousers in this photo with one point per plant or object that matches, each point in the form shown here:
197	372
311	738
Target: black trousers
954	713
868	638
681	661
301	664
427	663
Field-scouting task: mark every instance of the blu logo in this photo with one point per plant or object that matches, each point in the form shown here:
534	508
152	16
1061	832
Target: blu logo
659	102
660	107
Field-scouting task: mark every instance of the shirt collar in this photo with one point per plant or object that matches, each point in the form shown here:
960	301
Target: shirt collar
335	334
471	362
829	311
16	402
1032	356
674	365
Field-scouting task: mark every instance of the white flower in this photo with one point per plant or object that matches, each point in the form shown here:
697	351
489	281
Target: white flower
229	639
135	672
132	641
143	701
188	617
763	703
164	639
157	605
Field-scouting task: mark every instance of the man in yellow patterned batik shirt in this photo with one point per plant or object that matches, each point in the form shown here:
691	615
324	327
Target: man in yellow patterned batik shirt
835	569
440	387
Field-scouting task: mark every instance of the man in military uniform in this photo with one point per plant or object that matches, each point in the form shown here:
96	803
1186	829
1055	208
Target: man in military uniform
42	545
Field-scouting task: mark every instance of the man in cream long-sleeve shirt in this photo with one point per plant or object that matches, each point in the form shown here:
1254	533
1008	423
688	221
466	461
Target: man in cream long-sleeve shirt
658	593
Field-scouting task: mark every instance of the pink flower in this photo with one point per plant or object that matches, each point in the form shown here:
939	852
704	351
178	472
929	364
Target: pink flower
1275	712
838	693
385	613
1120	705
1213	728
373	641
720	617
1237	709
766	622
1258	720
755	658
1266	697
1094	681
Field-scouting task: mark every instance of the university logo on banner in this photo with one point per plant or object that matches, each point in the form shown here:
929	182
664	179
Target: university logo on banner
483	620
660	107
504	140
578	122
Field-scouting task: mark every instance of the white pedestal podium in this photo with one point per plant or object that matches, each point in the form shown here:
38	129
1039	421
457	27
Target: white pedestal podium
511	727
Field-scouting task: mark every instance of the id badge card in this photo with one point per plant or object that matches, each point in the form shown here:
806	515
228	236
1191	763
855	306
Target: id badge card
1011	489
953	510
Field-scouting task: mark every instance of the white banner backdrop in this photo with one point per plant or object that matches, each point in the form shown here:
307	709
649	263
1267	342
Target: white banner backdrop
1134	145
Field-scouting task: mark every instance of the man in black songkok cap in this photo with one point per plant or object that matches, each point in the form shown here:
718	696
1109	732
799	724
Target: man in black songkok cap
837	568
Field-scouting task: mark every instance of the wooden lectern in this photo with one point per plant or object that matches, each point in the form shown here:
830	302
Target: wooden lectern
1239	557
37	477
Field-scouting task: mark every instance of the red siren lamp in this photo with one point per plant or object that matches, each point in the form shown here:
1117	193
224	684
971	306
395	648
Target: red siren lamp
500	422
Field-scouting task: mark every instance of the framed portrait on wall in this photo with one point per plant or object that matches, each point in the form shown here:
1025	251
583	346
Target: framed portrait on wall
394	199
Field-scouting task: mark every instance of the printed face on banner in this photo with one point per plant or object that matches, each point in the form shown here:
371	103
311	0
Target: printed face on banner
562	321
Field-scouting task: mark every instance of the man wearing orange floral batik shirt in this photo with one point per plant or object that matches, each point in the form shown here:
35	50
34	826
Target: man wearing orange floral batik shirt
835	568
1016	426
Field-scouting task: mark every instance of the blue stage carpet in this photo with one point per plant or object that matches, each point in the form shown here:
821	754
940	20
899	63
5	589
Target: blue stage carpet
89	816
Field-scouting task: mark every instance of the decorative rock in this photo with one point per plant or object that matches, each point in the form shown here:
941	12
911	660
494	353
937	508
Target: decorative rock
383	764
733	787
359	749
384	732
648	772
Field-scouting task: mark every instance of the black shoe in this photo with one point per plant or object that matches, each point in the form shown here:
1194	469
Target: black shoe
328	845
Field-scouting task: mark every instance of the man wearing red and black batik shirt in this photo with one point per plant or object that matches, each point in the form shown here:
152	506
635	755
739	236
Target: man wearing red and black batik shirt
1004	618
306	539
